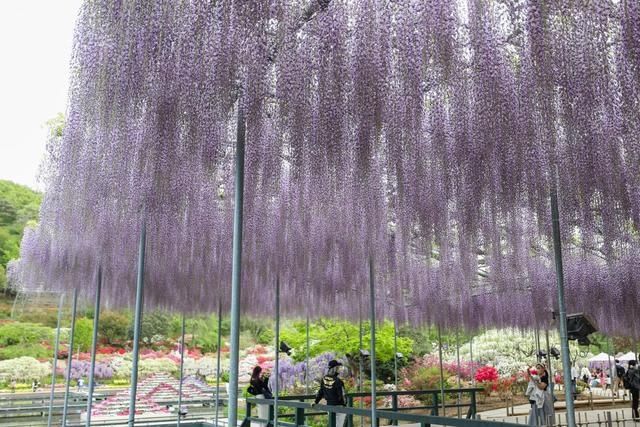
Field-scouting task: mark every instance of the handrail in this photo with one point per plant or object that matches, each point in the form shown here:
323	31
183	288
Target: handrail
424	420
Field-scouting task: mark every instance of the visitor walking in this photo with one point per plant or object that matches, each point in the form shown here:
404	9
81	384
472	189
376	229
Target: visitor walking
547	407
536	398
617	379
332	390
575	375
631	381
586	375
259	387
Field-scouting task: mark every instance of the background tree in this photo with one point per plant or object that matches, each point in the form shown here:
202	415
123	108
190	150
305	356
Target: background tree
19	206
114	327
155	327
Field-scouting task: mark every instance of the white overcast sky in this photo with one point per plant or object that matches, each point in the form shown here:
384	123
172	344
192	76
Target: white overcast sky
36	37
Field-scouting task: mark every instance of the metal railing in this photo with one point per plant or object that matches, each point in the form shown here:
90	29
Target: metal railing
301	410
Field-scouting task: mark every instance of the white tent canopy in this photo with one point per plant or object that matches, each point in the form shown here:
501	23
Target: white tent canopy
601	360
627	357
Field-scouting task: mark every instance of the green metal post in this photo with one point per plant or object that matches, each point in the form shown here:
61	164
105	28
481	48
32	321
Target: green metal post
458	369
473	407
394	407
306	368
137	324
436	404
182	345
218	361
549	367
444	409
55	360
360	361
562	321
94	344
74	307
395	353
372	319
277	361
236	268
299	419
473	366
332	419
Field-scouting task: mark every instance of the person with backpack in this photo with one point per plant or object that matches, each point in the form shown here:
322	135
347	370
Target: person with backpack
332	390
259	387
631	381
617	379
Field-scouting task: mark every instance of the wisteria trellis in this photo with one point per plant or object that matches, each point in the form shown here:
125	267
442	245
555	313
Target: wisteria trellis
422	132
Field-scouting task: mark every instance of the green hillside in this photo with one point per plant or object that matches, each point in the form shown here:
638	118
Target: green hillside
18	205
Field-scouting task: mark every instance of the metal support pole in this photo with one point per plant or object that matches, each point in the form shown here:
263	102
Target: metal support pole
552	382
564	341
360	357
94	344
458	369
74	307
137	324
55	360
360	361
372	319
611	371
218	361
473	365
182	345
444	409
277	361
306	366
236	268
395	353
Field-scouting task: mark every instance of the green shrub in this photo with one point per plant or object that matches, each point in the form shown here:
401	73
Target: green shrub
42	317
23	333
37	351
83	334
114	327
426	378
266	336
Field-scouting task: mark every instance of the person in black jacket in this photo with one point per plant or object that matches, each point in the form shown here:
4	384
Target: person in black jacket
632	382
259	387
332	390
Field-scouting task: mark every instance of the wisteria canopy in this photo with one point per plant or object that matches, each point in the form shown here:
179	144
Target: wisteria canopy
423	133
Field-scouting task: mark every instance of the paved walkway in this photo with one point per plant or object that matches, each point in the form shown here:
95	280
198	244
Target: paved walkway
596	411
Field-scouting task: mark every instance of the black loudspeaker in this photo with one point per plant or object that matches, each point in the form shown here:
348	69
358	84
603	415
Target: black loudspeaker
579	326
284	348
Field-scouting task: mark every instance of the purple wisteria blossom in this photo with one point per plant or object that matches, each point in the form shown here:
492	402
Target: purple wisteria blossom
422	133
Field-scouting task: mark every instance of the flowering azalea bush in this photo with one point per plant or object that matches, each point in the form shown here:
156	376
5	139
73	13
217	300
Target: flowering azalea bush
24	369
108	350
486	374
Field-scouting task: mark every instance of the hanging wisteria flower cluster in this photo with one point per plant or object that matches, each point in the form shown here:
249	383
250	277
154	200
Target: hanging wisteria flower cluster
424	134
